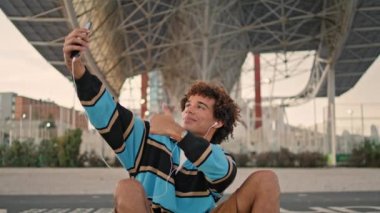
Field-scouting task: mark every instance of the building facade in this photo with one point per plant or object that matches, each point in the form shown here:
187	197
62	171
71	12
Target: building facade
23	118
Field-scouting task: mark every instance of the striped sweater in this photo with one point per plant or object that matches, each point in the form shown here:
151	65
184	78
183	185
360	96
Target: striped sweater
153	159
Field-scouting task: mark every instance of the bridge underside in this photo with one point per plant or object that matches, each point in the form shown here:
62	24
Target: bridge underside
203	39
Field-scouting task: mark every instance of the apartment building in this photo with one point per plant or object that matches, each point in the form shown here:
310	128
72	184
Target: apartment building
22	118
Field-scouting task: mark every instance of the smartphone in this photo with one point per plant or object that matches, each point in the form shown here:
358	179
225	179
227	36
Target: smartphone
76	53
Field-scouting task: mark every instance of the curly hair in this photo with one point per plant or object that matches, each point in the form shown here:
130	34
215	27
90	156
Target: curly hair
225	109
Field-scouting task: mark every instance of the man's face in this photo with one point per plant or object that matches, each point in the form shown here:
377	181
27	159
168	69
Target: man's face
198	115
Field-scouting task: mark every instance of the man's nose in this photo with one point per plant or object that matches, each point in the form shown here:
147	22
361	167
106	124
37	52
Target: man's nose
189	109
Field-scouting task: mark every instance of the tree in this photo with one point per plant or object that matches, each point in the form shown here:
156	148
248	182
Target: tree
3	150
367	154
48	152
68	148
20	154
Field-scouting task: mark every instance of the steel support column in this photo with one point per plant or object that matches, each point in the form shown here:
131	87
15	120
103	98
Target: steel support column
331	133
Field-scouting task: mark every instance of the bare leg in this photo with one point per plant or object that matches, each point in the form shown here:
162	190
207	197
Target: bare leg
260	192
130	197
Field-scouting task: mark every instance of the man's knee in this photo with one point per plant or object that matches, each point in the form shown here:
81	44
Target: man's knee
265	180
130	197
126	188
259	191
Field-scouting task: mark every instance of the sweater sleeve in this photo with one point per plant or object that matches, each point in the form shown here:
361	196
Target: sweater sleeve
124	132
219	168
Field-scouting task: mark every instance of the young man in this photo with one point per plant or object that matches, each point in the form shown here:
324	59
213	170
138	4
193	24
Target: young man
152	151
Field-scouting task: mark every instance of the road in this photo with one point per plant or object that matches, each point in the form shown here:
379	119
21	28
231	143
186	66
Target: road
326	202
329	202
326	190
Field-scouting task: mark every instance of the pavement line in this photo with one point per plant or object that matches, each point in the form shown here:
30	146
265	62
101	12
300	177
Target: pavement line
322	210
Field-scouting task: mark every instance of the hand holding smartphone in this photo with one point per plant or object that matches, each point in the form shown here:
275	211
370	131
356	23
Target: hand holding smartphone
76	53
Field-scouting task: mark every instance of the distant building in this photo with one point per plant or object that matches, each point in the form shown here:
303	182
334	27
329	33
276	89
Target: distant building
156	94
273	135
22	118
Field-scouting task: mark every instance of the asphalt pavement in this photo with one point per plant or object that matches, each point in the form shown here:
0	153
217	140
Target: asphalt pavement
90	189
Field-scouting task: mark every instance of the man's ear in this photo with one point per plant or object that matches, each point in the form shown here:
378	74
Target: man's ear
218	124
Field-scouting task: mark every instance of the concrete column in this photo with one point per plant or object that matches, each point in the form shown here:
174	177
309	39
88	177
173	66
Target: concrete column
331	129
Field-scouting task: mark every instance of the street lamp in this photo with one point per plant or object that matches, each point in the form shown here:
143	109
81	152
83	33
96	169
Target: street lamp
48	125
23	116
351	112
10	126
266	81
146	113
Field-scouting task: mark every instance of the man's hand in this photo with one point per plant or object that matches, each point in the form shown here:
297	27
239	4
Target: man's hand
76	40
164	124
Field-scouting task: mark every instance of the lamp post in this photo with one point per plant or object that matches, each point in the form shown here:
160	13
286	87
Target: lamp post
351	112
23	116
48	125
30	121
10	126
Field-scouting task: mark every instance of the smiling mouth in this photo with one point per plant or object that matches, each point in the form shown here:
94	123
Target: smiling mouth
189	120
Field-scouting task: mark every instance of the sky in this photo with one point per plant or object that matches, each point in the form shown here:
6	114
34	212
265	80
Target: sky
26	73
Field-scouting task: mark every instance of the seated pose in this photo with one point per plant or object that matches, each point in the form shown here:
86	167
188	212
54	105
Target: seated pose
172	167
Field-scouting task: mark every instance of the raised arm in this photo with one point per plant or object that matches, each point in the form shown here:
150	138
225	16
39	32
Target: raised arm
124	132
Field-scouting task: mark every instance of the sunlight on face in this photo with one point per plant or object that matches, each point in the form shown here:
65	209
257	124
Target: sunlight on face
198	115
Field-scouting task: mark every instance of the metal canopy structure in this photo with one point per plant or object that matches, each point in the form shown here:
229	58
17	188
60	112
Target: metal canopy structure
207	39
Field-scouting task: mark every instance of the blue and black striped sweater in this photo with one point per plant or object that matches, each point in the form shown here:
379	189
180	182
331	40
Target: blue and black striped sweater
152	159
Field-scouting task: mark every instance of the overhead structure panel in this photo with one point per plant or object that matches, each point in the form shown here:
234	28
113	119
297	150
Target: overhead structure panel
286	26
206	39
361	48
43	25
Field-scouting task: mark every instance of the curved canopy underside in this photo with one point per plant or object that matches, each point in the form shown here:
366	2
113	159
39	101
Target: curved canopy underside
206	39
